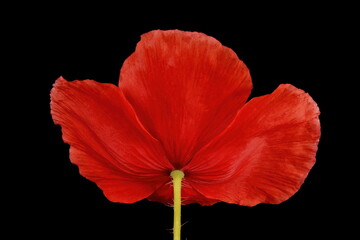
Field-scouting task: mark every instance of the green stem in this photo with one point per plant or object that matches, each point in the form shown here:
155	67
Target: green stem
177	176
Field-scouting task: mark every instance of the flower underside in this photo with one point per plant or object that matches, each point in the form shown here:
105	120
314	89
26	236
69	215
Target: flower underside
181	104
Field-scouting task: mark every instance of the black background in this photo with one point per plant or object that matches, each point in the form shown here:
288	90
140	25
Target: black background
300	48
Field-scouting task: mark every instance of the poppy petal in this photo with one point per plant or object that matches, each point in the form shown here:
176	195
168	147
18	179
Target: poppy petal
185	88
264	155
165	195
107	142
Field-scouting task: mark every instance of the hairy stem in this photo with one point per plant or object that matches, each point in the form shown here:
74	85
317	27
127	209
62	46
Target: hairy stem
177	176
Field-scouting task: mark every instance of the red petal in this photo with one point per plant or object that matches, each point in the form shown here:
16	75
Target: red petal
265	154
165	195
185	87
108	143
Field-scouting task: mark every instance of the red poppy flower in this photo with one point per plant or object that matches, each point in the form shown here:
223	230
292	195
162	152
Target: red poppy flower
181	104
